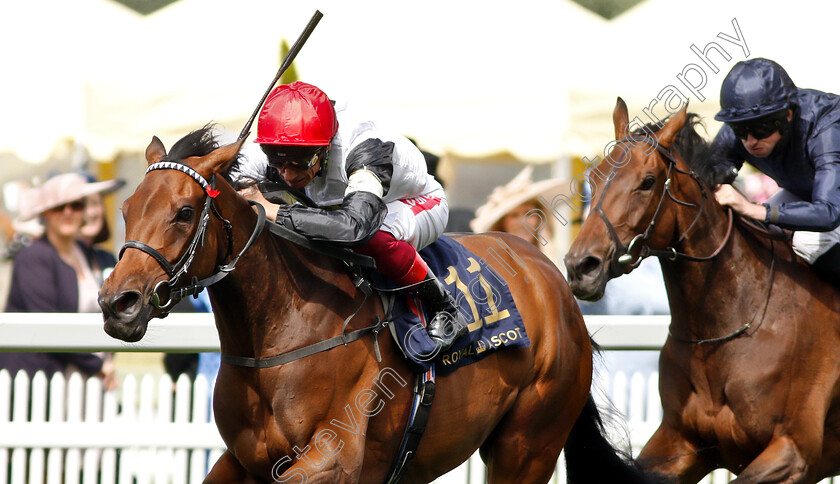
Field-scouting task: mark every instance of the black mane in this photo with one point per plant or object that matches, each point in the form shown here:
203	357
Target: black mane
200	142
690	144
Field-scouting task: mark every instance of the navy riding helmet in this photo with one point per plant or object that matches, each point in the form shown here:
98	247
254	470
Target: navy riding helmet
754	88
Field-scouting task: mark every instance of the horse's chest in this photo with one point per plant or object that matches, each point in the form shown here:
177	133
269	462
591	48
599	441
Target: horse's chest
724	408
716	423
247	424
723	414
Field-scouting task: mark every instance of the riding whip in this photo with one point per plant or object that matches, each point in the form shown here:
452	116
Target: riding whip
285	65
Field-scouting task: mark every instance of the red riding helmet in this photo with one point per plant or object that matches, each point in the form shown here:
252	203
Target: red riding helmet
297	114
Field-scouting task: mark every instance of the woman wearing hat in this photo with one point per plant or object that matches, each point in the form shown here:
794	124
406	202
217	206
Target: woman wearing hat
95	230
515	209
54	273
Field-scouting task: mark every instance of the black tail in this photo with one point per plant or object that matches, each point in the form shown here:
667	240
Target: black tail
592	459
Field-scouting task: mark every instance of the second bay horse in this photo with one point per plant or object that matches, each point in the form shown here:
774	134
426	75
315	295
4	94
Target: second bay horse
749	373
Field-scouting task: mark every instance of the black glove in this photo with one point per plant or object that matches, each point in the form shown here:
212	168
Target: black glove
724	174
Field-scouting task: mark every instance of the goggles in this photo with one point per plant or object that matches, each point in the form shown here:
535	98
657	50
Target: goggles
280	157
760	128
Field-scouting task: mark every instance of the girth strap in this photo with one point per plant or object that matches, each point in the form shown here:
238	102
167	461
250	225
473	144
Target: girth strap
424	395
328	344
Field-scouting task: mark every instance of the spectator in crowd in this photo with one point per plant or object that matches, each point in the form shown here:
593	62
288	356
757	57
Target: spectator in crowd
54	274
96	230
514	208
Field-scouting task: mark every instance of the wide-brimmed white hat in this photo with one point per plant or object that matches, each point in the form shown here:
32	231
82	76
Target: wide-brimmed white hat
516	192
59	190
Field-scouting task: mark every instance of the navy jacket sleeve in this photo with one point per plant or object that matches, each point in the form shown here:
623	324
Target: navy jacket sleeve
822	213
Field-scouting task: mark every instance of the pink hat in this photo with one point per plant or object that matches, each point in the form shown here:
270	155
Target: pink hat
59	190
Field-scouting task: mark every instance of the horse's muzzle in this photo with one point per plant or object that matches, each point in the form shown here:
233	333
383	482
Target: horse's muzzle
587	276
126	316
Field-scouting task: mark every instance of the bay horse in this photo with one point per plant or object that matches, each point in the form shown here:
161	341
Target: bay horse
749	371
338	416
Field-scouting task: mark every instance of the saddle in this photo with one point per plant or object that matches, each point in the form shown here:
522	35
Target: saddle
482	297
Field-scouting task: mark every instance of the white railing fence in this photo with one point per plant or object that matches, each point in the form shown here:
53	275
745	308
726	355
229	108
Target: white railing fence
156	431
71	431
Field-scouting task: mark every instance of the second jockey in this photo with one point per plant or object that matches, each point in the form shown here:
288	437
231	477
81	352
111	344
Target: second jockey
793	136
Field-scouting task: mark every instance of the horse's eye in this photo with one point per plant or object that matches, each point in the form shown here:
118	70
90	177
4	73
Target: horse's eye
185	214
647	183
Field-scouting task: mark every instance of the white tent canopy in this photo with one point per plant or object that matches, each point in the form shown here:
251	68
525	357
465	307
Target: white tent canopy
536	78
459	77
645	48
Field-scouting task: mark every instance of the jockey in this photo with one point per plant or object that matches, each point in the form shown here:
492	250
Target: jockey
793	136
387	206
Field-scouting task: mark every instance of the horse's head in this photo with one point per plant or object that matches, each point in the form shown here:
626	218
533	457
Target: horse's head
173	232
631	212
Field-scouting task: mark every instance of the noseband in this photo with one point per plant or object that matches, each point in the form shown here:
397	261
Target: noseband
165	301
671	252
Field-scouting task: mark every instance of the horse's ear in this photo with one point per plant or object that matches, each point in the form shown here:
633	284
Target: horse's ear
668	133
620	118
155	151
220	159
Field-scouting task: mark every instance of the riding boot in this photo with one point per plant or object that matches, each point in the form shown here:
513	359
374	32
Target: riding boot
828	265
448	323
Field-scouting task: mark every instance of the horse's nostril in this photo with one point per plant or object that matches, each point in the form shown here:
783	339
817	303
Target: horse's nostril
126	301
588	265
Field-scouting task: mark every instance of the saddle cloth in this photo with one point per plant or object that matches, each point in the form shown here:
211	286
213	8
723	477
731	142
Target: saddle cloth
484	301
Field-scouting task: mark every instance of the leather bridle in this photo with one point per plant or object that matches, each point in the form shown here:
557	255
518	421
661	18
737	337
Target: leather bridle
626	256
165	294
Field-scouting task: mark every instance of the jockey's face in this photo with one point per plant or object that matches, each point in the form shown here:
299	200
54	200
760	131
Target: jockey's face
760	137
761	148
298	177
298	165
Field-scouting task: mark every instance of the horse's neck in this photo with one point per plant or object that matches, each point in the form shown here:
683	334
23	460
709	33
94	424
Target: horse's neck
278	298
697	289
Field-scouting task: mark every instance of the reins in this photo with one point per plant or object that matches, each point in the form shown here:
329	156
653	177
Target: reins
743	329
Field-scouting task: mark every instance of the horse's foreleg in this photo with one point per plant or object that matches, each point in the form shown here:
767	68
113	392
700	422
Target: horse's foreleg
316	463
673	458
228	469
780	463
